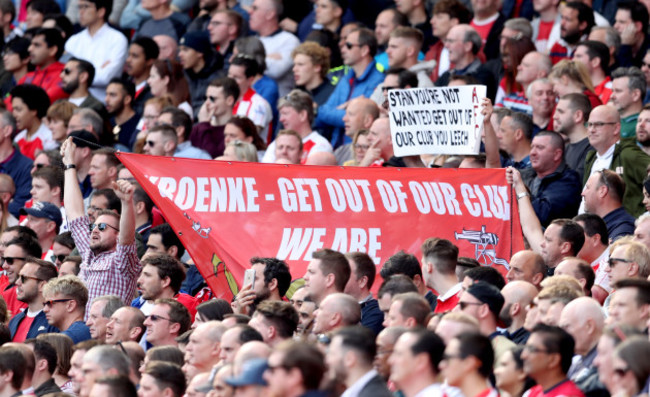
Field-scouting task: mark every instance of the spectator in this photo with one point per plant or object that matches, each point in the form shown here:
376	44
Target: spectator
301	369
362	277
467	363
632	26
595	56
335	311
446	14
204	347
518	295
101	45
603	196
166	79
65	306
596	252
571	113
264	19
327	273
101	310
577	21
629	303
13	365
168	320
33	275
546	26
45	219
201	64
628	92
45	49
224	28
101	361
643	130
310	66
407	309
604	128
30	103
527	266
125	324
164	20
488	22
57	118
15	61
141	56
76	78
16	252
296	113
120	94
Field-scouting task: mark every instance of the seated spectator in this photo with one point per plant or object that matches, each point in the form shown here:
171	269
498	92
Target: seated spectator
201	65
57	118
582	20
16	62
141	55
44	51
30	104
603	196
310	66
65	306
297	114
164	20
208	133
572	77
76	78
120	94
445	15
628	91
166	78
595	56
571	113
182	123
239	151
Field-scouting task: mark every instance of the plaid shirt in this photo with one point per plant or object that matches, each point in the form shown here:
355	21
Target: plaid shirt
108	273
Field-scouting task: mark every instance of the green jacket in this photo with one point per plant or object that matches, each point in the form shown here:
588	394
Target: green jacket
630	162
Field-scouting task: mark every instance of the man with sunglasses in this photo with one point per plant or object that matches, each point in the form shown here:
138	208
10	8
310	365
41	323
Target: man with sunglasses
76	78
547	358
110	262
65	300
208	133
17	251
29	323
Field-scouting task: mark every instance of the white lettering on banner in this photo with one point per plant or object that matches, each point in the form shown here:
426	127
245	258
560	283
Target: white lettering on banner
436	120
300	243
224	194
239	194
294	194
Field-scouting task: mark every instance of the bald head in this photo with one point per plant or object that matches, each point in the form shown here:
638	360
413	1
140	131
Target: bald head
584	319
527	266
380	136
517	291
604	137
251	350
321	158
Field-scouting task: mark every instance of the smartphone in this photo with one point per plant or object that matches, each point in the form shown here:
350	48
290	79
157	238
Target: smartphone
249	277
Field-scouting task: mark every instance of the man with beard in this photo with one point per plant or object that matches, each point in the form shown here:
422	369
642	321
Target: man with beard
161	278
554	187
76	77
110	262
350	360
272	280
643	129
124	119
29	323
571	113
517	295
577	21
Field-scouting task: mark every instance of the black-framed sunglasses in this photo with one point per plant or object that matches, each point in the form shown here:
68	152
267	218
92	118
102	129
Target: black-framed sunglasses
51	303
155	318
61	257
102	226
10	260
350	45
612	261
23	278
66	71
463	305
212	99
150	143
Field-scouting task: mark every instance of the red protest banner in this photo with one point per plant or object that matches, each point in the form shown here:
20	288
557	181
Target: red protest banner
227	212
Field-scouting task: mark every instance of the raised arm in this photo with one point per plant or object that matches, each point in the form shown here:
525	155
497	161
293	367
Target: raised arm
74	201
530	224
124	191
492	158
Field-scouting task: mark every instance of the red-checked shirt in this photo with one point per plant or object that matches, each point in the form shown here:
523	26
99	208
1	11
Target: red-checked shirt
108	273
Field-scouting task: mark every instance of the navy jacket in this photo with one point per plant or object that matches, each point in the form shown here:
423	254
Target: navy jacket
39	325
371	316
619	223
18	167
558	195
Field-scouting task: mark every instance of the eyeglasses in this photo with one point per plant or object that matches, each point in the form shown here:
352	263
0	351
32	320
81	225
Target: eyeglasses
150	143
448	357
361	147
51	303
66	71
599	124
386	88
384	352
10	260
61	257
39	166
155	318
102	226
534	349
273	368
612	261
621	371
463	305
212	99
24	278
350	45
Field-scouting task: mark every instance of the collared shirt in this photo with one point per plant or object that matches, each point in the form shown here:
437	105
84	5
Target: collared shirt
356	388
603	162
108	273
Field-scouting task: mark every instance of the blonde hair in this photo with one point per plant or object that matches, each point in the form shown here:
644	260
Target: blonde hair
69	286
575	71
636	252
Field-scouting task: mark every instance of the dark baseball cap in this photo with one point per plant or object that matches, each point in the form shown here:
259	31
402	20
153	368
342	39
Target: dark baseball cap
488	294
44	210
84	138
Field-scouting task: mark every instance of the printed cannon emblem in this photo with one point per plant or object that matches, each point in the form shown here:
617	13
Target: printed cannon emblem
484	246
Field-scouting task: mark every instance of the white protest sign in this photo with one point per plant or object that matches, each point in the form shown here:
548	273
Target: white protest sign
436	120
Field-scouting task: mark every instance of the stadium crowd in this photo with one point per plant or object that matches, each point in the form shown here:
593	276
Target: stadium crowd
100	297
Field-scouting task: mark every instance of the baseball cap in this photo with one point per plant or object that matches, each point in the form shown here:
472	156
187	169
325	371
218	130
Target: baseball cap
488	294
86	139
252	372
44	210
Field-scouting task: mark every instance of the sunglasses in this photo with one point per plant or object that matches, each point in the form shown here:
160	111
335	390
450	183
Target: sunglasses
463	305
10	260
53	301
155	318
150	143
102	226
66	71
612	261
212	99
61	257
23	278
350	45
